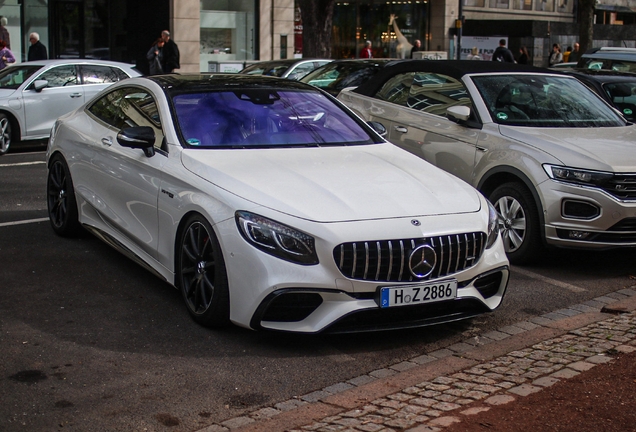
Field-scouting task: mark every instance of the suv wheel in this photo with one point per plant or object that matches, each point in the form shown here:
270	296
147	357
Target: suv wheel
519	222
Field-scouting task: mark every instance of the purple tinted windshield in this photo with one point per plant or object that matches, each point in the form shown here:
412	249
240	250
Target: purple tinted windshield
264	117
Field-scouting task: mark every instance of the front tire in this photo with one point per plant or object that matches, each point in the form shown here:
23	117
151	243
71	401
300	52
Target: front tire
520	227
201	274
61	202
5	134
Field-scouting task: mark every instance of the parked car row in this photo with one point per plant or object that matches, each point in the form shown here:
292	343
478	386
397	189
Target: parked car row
272	205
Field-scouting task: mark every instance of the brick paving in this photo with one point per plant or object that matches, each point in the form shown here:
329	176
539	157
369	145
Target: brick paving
431	405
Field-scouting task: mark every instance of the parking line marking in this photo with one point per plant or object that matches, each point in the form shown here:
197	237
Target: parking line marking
548	280
23	222
22	164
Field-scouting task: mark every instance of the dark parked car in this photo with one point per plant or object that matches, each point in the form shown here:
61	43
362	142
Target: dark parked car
287	68
610	58
340	74
617	88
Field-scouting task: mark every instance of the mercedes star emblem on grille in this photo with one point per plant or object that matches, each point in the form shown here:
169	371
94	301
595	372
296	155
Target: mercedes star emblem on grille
422	261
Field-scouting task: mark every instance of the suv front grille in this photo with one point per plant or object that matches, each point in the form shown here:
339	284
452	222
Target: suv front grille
388	260
621	186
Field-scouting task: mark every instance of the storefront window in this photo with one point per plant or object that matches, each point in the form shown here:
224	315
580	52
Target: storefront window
500	4
356	22
474	3
228	32
544	5
523	4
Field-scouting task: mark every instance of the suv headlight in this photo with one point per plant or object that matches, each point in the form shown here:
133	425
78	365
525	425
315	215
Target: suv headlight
277	239
577	175
494	224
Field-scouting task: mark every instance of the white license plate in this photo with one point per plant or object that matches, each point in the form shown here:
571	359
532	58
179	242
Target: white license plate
407	295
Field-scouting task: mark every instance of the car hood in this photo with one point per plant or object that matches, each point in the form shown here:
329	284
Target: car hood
604	149
334	184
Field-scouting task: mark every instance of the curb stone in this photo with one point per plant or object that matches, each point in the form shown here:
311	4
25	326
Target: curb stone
577	340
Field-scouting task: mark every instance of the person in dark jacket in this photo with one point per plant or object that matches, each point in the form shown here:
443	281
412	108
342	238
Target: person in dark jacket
502	53
4	33
155	57
170	53
524	57
37	50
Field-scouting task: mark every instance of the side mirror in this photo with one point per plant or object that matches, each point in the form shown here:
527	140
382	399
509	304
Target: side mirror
378	127
38	85
458	113
141	137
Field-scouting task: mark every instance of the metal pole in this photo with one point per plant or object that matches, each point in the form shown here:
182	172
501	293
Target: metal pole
459	26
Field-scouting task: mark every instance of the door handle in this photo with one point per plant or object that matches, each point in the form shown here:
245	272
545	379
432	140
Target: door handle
75	95
481	149
400	129
107	141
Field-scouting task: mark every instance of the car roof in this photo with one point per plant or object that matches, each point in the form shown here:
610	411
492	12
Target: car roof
603	75
453	68
184	83
76	61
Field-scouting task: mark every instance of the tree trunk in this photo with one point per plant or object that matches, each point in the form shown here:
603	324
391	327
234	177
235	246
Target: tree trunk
317	16
586	24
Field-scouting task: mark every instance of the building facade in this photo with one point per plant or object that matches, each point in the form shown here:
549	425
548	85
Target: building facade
215	35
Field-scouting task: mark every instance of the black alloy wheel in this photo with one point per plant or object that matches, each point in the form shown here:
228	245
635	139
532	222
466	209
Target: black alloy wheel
61	203
201	274
5	134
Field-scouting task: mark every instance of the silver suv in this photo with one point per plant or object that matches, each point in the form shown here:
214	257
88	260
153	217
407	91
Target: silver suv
610	58
557	161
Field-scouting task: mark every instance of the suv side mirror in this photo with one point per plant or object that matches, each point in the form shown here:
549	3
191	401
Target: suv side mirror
38	85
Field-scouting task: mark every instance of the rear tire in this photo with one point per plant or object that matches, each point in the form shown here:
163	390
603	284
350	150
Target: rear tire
5	134
61	202
520	229
201	274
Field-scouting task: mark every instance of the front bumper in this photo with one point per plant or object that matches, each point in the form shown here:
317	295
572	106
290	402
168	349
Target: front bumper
272	294
604	221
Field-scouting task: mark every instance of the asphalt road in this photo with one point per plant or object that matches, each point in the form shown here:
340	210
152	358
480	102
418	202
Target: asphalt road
90	341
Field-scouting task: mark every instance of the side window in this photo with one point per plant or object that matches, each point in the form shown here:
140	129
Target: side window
129	107
61	76
434	93
301	70
396	89
93	74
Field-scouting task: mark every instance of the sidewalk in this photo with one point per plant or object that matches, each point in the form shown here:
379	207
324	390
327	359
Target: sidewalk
434	391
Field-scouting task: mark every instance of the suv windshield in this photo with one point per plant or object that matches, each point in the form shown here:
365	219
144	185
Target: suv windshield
543	101
13	76
264	118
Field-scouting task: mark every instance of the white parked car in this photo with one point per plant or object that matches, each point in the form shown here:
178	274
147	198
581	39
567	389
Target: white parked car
557	162
271	206
34	94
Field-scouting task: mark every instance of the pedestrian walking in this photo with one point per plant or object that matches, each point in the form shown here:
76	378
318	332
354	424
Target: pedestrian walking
523	55
6	56
556	57
155	57
4	33
170	53
503	54
37	50
366	51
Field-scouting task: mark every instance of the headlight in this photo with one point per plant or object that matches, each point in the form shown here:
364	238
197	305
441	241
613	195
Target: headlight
493	225
277	239
578	176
